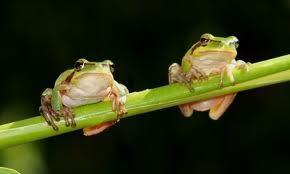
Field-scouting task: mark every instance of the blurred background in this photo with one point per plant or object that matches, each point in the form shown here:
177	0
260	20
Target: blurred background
41	39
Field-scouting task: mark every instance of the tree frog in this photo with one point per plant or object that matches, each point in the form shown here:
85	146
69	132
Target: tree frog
88	82
209	56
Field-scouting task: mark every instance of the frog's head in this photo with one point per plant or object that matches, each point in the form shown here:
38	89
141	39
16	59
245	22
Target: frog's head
82	66
209	44
84	69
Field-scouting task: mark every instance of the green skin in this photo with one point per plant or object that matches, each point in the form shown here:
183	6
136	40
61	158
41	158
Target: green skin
88	82
209	56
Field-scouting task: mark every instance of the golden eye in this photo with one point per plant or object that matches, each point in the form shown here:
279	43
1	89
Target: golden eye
204	41
112	67
237	43
79	64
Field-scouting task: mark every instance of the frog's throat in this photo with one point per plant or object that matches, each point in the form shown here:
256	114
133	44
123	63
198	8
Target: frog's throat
218	53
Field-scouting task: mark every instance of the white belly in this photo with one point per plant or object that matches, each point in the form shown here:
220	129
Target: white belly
91	88
211	63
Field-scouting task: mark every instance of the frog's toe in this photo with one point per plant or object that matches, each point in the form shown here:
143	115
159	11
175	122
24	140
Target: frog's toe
49	119
88	131
69	117
189	86
55	115
122	112
66	119
221	105
47	112
54	126
221	85
48	116
196	73
72	118
240	64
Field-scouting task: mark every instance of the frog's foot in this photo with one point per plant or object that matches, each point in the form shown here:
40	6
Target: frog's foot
88	131
118	104
68	114
175	75
186	109
221	105
242	65
51	115
196	73
48	113
216	105
228	70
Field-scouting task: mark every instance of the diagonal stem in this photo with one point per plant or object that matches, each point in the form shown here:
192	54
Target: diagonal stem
263	73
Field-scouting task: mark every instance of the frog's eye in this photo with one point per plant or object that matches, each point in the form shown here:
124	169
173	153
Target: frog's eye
237	43
79	65
112	67
204	41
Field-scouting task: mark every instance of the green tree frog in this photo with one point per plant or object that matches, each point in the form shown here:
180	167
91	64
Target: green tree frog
88	82
209	56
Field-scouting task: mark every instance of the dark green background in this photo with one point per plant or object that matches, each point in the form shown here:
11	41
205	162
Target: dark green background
40	39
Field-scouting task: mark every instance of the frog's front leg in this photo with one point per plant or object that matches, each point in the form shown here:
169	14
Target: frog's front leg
46	109
118	96
196	74
175	75
229	68
223	102
52	108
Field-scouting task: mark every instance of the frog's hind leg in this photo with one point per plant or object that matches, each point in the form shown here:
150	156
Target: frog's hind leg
118	106
118	97
221	106
88	131
186	109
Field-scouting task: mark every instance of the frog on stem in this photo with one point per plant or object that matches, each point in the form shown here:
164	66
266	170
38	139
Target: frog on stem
209	56
88	82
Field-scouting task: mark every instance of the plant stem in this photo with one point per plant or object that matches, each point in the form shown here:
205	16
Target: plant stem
263	73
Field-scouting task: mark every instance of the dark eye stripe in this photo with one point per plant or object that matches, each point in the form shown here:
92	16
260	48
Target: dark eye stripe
104	64
196	45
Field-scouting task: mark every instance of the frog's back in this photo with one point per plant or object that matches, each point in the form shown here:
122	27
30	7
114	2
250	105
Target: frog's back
63	76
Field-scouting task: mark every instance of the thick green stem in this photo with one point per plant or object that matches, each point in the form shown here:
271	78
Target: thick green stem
261	74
